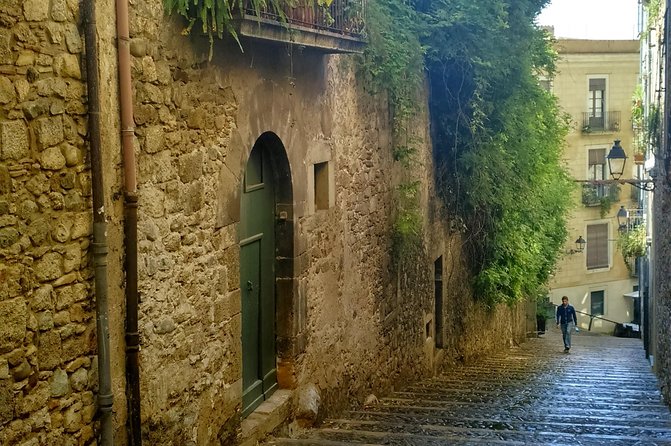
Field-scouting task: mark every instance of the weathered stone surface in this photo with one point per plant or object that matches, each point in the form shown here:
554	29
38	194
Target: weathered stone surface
59	10
67	66
35	400
193	196
79	380
72	419
82	225
153	139
7	92
191	166
60	384
13	320
36	10
72	155
6	401
50	350
42	299
48	131
8	236
14	142
308	405
49	267
52	159
21	371
72	39
45	320
5	184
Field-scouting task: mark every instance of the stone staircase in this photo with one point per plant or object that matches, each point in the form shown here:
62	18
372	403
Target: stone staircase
602	393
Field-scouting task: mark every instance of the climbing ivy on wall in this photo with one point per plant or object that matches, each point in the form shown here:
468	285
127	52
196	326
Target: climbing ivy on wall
497	135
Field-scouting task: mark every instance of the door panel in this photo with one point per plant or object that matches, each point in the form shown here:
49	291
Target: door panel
257	280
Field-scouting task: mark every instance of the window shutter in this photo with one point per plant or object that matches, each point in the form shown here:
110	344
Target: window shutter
597	246
597	156
597	84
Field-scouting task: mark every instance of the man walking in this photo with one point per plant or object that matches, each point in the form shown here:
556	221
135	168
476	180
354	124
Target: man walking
567	319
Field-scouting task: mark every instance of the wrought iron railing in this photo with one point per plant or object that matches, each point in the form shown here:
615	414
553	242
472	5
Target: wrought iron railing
609	121
345	17
595	194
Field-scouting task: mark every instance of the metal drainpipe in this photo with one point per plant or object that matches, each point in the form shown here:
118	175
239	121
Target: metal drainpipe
99	246
130	226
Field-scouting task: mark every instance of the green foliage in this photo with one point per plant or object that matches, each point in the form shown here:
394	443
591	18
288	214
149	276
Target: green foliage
393	63
632	244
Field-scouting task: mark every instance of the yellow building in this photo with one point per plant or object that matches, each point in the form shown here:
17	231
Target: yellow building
595	82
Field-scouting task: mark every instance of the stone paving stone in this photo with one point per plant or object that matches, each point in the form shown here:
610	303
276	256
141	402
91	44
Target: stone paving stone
602	393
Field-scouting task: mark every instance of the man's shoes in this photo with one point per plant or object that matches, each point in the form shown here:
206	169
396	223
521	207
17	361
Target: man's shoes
566	349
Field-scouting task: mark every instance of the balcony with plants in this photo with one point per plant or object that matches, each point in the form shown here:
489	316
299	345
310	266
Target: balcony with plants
601	195
327	26
608	122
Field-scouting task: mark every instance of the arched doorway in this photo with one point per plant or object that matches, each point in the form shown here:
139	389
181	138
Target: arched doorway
266	190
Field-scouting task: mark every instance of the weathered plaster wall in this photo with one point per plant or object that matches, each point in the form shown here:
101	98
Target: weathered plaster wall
47	327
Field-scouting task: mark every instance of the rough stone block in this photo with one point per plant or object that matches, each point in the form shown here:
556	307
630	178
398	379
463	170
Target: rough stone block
52	159
13	321
14	142
7	92
191	166
154	140
49	267
49	355
6	401
59	10
60	384
36	399
49	132
8	236
36	10
67	66
228	198
193	197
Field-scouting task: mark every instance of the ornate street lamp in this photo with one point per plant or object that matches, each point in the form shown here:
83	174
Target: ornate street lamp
616	160
580	244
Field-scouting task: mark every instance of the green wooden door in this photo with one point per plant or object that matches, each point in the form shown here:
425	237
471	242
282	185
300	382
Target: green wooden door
257	281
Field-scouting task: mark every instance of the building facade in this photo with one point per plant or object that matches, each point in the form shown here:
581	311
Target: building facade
595	83
191	246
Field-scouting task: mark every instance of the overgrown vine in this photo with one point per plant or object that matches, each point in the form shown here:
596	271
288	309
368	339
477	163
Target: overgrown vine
497	135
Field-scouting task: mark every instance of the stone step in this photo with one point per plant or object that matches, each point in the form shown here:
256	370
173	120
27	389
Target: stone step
603	393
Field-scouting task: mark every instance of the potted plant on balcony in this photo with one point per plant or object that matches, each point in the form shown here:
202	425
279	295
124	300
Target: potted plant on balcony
632	244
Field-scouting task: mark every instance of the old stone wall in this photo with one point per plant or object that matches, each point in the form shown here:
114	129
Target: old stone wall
661	312
47	327
355	319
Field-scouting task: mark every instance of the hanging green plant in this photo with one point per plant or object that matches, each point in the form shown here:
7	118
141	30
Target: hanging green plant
632	244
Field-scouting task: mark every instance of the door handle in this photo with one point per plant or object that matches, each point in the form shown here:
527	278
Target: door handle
250	285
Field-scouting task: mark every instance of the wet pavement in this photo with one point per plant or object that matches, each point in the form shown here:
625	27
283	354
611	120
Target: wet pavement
602	393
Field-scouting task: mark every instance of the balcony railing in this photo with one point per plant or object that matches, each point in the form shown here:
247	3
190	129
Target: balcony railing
596	194
608	122
339	28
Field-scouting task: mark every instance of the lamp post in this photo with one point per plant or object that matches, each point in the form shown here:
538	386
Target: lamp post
616	160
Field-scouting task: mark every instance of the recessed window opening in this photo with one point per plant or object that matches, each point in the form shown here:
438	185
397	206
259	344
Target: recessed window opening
321	175
438	300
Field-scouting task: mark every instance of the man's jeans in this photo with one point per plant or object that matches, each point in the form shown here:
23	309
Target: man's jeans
566	330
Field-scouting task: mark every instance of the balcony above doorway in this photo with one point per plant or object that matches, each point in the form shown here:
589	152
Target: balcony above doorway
338	28
608	122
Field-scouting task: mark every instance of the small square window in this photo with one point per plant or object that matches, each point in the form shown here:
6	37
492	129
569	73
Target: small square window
321	174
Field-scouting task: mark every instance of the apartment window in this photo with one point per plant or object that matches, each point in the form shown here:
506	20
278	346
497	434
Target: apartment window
596	303
597	170
596	102
597	246
321	174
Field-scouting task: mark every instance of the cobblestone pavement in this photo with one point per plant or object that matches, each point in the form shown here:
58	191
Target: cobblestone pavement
602	393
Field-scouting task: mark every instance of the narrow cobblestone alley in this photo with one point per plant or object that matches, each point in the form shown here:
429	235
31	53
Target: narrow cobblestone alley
603	392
